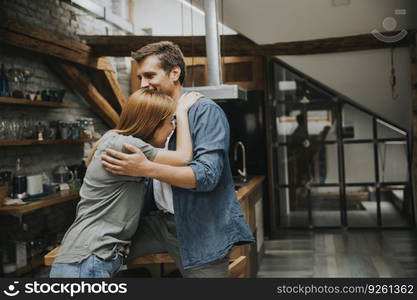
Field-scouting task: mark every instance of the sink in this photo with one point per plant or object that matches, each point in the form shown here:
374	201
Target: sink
238	183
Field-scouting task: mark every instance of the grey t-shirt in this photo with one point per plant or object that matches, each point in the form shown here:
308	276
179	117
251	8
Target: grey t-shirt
109	208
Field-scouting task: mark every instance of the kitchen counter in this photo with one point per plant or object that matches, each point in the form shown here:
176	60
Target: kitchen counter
250	196
249	187
52	199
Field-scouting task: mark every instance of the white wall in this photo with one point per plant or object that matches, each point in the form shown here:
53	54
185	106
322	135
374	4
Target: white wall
364	76
171	17
272	21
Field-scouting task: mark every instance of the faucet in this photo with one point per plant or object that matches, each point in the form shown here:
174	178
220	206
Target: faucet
242	172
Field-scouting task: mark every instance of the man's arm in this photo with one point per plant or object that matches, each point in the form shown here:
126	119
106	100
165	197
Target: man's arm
182	177
136	164
211	137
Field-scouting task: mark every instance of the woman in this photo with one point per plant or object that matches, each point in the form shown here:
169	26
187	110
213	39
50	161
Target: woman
108	212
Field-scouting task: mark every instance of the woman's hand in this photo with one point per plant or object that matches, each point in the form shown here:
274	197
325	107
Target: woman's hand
187	100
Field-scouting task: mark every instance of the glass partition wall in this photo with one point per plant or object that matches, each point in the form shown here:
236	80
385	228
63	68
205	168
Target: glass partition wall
335	163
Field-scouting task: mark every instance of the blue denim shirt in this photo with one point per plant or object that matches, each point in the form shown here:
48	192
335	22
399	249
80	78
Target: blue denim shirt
209	218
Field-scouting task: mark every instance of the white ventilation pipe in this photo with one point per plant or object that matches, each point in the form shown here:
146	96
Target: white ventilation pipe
212	43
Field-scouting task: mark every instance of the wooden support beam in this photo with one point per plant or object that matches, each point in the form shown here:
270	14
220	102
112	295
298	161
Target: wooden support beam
82	84
31	38
108	86
111	80
131	9
238	45
100	82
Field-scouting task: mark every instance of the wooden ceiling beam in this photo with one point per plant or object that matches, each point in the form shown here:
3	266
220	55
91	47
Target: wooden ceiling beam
238	45
29	37
122	46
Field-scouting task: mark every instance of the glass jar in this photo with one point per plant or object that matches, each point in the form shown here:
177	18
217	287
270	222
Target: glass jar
90	127
63	130
75	131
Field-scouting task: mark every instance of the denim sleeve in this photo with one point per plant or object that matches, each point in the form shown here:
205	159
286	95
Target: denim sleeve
210	133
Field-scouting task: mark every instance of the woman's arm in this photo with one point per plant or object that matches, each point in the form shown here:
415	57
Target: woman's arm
184	149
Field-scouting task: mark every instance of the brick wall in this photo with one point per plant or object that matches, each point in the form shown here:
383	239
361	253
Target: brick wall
67	21
47	225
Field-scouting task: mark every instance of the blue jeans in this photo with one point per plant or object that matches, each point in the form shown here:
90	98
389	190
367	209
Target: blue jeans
91	267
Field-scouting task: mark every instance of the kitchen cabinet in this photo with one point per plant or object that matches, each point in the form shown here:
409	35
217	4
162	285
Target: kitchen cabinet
246	72
30	230
250	197
259	229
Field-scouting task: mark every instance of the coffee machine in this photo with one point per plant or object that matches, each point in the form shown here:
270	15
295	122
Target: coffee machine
20	187
19	182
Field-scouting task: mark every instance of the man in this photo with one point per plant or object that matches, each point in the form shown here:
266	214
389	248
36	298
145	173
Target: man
198	218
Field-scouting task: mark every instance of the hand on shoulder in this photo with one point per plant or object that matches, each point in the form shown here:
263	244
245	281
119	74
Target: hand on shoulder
187	100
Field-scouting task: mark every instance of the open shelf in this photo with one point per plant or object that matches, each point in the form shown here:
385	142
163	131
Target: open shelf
44	142
51	199
22	101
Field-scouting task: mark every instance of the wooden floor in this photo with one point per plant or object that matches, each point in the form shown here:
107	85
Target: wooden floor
337	253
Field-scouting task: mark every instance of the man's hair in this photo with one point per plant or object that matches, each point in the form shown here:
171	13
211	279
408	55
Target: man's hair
168	53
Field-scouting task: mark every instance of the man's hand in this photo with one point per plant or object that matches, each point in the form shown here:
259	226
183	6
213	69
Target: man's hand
134	164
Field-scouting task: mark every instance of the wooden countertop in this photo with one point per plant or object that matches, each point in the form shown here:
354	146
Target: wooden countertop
63	196
249	187
52	199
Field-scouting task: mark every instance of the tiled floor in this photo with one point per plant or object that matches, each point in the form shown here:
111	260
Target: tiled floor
341	254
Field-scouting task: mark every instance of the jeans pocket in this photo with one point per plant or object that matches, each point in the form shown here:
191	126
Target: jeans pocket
65	270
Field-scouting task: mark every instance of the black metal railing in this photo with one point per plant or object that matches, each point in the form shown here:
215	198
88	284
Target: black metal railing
328	99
